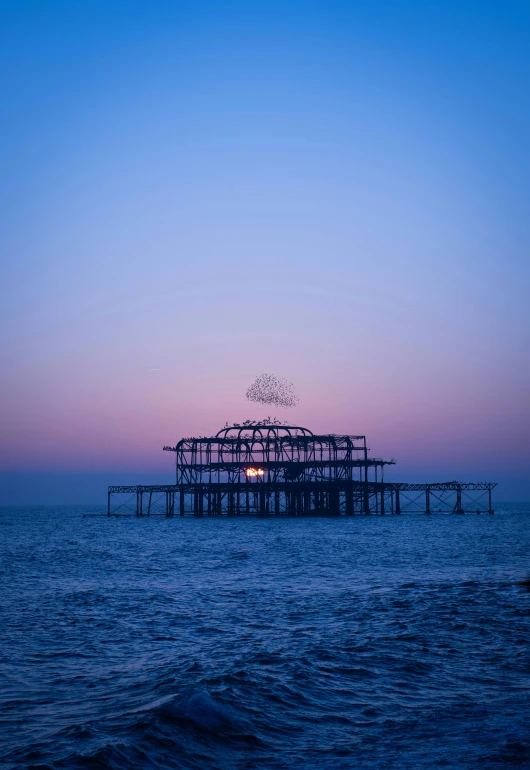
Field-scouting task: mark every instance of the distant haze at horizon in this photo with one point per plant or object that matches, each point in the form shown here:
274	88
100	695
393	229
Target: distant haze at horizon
197	193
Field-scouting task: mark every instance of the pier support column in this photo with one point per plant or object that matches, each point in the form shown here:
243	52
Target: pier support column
490	509
382	499
366	492
299	508
197	502
366	496
181	503
108	503
349	501
427	500
398	507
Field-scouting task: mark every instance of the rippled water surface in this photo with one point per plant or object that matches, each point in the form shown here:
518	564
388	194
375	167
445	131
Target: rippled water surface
256	643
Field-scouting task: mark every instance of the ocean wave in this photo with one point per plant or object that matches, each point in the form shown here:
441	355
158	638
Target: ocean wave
199	708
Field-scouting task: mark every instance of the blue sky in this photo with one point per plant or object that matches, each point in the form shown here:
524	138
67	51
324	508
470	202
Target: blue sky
196	193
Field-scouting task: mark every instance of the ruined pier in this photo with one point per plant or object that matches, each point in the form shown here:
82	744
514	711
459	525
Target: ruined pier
264	469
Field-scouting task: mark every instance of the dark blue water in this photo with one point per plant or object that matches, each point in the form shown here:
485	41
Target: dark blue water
370	642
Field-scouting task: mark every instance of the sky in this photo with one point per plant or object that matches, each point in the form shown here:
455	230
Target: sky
195	193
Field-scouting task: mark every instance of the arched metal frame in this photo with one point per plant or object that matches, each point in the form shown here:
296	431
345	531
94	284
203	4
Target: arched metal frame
285	454
272	469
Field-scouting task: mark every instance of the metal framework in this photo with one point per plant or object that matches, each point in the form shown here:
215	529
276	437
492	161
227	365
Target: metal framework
262	469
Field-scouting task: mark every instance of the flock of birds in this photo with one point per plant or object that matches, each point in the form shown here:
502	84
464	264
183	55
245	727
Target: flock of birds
268	389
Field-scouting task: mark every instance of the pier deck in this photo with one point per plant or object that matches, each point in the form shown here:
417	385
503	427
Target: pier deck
336	498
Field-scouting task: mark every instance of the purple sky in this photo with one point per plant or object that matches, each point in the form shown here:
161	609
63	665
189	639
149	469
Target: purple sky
197	193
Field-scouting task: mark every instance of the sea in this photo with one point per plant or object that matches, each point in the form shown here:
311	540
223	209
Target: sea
337	643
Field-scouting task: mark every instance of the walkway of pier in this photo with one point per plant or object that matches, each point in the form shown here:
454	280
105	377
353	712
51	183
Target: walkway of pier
310	498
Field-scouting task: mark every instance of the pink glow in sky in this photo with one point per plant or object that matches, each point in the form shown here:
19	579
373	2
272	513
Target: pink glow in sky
336	197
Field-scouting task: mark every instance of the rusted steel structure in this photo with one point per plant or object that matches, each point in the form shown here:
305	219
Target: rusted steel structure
274	470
